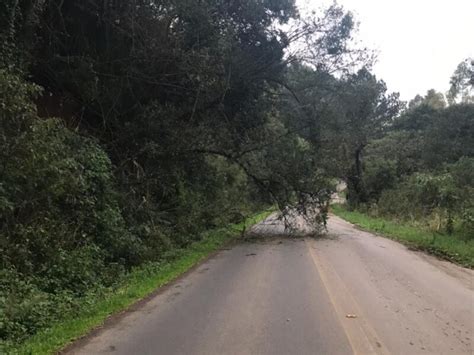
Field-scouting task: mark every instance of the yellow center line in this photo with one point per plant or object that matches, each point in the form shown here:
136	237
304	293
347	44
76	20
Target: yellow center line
362	337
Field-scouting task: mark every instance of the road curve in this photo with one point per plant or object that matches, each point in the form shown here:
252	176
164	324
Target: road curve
348	293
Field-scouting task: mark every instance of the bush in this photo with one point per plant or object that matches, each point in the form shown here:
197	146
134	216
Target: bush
463	174
62	233
23	306
379	175
59	189
444	198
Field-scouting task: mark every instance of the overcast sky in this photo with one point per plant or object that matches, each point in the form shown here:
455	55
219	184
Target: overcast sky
420	42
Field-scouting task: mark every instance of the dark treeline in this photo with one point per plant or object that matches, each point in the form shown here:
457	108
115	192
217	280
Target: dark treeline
422	169
127	128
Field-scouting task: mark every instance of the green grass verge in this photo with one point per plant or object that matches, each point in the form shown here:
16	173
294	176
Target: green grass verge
136	285
451	247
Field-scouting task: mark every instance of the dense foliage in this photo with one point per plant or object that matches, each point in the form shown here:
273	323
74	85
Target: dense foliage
422	168
129	128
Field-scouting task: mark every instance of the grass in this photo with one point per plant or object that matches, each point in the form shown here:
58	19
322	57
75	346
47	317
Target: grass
450	247
138	284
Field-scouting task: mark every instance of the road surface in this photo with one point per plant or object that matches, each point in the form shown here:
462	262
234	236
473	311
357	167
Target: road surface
348	293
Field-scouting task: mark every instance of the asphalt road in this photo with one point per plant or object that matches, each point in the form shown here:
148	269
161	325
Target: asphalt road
348	293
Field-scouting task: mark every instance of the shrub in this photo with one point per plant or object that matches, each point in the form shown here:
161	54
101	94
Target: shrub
379	175
442	197
62	233
463	174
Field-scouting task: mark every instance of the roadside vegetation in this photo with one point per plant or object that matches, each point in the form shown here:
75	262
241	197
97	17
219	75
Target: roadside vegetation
416	181
423	168
129	129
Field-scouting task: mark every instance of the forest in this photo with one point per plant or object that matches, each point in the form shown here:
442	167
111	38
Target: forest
129	128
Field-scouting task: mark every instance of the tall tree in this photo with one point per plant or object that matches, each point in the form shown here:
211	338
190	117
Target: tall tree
363	111
462	82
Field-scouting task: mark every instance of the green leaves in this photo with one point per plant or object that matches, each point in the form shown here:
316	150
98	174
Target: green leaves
462	83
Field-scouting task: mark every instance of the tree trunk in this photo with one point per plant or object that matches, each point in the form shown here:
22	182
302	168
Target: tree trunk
356	191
